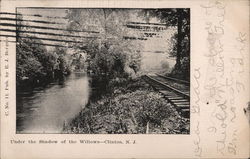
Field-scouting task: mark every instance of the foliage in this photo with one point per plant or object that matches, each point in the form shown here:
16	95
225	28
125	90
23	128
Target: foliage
35	64
109	53
29	60
128	110
63	65
179	18
184	71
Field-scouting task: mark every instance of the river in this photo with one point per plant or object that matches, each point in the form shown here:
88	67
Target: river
47	109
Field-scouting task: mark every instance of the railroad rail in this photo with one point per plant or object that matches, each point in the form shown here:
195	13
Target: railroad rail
174	79
180	98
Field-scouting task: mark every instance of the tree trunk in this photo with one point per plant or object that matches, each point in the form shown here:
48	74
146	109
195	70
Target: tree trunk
179	39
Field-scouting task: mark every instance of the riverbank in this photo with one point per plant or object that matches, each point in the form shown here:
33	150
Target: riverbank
132	106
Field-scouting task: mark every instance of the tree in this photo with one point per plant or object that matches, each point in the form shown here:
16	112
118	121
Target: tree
179	18
29	66
109	52
62	64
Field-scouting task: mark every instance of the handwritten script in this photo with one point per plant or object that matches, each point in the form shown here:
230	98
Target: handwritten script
221	82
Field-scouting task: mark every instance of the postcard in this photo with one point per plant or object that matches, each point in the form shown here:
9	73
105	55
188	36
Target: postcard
124	79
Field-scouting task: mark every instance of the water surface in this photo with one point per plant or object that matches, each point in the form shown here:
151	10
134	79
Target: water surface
47	109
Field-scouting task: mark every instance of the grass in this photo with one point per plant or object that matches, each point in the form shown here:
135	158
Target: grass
127	110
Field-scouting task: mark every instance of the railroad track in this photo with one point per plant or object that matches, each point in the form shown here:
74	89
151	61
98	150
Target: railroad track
175	91
174	79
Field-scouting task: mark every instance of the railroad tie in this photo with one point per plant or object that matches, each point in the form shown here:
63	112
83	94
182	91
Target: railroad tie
180	101
183	106
175	98
167	93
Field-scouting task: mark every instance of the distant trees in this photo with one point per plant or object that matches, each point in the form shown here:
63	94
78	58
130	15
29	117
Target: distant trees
63	64
79	61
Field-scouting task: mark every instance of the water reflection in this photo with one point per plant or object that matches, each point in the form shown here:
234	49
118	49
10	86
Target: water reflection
45	109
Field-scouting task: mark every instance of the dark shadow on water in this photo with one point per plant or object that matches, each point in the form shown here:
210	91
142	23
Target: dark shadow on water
45	108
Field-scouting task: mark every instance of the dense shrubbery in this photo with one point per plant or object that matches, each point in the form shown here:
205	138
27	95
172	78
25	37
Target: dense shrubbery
182	72
110	56
128	110
35	64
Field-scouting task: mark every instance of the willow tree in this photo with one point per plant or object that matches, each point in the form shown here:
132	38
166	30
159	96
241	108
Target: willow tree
110	54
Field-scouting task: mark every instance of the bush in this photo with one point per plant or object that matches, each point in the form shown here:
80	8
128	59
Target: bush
184	71
35	64
128	110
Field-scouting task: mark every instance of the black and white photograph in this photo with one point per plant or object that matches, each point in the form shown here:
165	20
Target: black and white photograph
101	70
124	79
